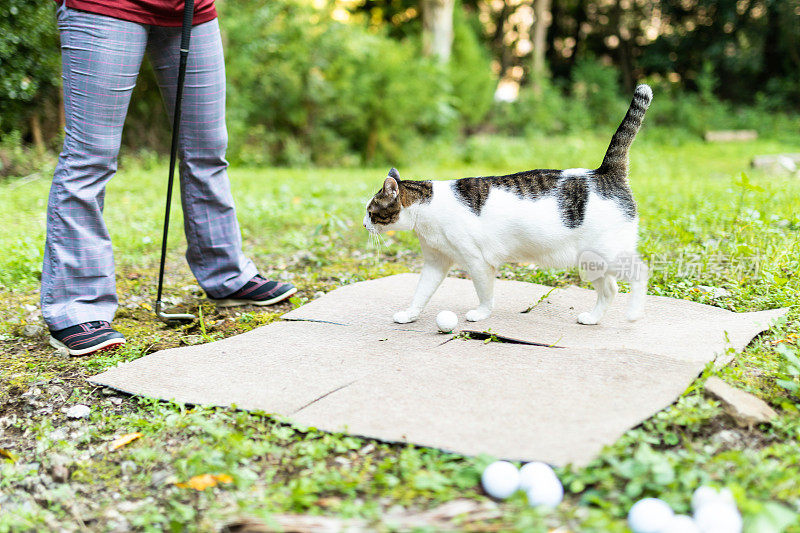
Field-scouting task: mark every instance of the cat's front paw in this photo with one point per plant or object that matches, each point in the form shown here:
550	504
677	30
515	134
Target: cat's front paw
588	319
477	314
404	317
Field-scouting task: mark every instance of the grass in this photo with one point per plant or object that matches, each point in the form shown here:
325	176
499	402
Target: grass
703	223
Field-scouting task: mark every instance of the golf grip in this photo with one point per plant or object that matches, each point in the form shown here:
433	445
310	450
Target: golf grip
186	34
186	29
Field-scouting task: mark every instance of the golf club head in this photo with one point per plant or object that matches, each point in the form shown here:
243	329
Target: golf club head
172	317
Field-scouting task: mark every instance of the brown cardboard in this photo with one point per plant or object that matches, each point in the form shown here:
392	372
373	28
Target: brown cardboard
340	364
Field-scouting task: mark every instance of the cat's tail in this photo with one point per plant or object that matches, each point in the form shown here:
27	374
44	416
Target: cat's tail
616	160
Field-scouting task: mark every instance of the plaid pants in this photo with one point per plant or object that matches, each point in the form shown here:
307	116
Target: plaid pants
101	57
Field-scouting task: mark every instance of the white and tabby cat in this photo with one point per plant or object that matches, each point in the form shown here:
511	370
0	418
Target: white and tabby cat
549	217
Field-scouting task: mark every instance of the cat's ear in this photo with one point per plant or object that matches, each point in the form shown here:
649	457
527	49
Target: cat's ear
391	188
394	174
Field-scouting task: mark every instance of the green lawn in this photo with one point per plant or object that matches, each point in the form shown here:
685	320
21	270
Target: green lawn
702	223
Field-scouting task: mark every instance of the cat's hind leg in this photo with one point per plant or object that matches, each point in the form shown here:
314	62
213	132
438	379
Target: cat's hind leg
638	280
483	277
433	273
606	288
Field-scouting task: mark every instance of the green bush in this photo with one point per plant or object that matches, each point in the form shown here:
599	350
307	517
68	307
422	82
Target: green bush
593	102
471	76
30	65
304	88
695	113
544	111
590	100
688	111
597	87
18	159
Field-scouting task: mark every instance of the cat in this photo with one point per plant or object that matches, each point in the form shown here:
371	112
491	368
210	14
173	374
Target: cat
552	218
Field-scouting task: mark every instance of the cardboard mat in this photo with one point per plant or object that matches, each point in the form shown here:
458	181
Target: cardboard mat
339	363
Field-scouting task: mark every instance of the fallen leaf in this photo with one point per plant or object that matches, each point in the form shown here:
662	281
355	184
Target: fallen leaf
119	442
205	481
7	454
391	233
296	200
789	338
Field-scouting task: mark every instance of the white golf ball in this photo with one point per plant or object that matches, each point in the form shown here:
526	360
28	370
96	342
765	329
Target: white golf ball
703	495
546	491
500	479
649	515
726	496
531	473
718	517
680	523
446	321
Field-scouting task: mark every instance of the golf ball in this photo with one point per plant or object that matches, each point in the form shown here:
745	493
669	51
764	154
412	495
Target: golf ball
446	321
500	479
534	472
703	495
649	515
546	491
718	516
726	496
681	523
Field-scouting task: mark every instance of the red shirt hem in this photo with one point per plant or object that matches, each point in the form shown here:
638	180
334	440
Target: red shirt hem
125	11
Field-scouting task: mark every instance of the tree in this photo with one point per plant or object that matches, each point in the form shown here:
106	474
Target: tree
542	17
437	28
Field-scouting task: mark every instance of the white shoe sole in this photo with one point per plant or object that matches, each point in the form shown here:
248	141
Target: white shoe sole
55	343
230	302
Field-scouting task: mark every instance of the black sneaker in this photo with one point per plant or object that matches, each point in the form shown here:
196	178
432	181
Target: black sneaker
258	291
87	338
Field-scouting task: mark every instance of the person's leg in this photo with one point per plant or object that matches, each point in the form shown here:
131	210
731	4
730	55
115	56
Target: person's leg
212	229
100	60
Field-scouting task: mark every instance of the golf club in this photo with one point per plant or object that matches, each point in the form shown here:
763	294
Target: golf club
186	33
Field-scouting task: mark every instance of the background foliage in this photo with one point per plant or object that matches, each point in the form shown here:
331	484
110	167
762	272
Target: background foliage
334	82
30	64
308	87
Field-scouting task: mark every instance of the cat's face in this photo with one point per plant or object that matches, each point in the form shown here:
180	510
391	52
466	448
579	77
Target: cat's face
385	211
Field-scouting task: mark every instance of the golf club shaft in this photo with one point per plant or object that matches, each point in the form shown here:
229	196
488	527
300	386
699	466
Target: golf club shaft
186	33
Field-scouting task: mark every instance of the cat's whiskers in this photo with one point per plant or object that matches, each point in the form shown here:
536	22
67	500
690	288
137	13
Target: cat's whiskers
372	241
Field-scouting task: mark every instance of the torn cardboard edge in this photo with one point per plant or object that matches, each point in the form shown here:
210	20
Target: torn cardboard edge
676	328
471	334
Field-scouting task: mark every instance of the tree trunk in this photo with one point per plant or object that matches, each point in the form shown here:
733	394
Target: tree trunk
500	49
36	132
580	17
541	14
624	49
437	28
371	146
